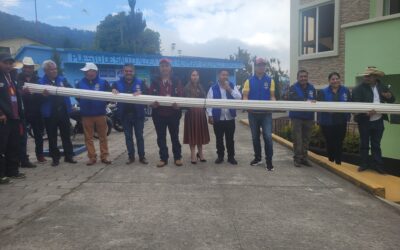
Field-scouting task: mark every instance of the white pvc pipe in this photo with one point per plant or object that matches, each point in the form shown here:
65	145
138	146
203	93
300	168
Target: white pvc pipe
337	107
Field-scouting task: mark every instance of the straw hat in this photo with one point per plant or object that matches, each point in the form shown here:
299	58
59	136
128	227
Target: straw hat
372	70
27	61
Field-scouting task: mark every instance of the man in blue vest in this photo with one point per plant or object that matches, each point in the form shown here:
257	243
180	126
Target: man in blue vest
223	120
302	122
260	87
55	111
131	115
93	114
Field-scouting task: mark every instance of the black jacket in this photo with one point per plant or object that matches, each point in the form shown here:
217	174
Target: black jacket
364	93
32	102
5	99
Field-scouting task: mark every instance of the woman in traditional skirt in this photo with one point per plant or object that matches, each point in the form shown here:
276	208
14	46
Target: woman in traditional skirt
196	127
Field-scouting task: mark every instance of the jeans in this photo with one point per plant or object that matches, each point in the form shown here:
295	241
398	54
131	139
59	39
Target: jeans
130	123
263	121
301	138
9	148
161	124
371	132
226	128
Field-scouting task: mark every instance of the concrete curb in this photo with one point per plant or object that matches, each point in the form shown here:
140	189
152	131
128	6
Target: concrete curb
349	172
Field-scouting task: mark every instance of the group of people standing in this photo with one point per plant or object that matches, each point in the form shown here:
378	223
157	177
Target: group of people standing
18	107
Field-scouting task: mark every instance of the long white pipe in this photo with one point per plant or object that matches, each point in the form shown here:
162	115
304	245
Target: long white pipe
337	107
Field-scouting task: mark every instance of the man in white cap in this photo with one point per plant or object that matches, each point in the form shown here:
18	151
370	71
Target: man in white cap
371	125
33	116
94	114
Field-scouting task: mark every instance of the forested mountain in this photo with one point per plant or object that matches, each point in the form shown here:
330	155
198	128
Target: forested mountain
12	26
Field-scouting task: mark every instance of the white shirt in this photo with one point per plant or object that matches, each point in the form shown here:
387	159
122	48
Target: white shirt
377	99
225	114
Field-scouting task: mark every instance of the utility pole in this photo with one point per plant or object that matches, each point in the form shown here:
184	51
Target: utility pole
36	21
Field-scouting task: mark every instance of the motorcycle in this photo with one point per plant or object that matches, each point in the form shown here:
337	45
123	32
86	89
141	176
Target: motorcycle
111	112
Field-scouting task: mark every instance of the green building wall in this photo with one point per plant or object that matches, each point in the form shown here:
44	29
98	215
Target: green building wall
377	44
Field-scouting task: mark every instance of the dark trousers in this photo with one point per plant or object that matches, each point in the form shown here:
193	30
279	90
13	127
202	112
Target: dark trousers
161	123
23	144
334	136
9	148
53	124
264	122
37	126
371	132
130	123
227	129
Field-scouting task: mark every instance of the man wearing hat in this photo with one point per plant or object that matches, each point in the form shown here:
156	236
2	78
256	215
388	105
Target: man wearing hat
94	114
32	104
371	125
167	117
11	112
260	87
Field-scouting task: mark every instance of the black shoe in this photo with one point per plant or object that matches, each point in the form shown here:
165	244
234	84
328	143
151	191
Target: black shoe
232	161
338	162
362	168
306	163
201	160
4	180
55	163
255	162
28	164
18	176
219	160
143	160
270	167
70	160
297	164
130	161
380	169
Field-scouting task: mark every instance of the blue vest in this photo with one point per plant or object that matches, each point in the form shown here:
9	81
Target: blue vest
137	85
217	95
260	89
302	115
92	107
327	118
46	108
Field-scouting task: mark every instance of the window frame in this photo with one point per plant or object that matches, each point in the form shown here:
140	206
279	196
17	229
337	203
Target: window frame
336	28
386	8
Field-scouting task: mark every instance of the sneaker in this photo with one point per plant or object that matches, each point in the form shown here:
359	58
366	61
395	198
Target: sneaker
143	160
41	159
130	161
255	162
4	180
28	164
270	167
306	163
219	160
232	161
162	164
70	160
178	163
18	176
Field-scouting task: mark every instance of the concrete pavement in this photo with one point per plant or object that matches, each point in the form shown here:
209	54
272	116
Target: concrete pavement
203	206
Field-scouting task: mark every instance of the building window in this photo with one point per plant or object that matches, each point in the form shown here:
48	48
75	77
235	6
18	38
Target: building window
318	29
5	50
391	7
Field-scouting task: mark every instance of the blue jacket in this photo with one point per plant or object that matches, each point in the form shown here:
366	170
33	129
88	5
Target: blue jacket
92	107
46	108
327	119
260	89
217	95
296	93
136	85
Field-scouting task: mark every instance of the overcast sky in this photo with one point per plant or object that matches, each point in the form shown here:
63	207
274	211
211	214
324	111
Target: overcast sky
209	28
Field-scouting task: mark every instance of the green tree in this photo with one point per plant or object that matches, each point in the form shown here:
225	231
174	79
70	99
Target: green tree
127	33
57	59
242	74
